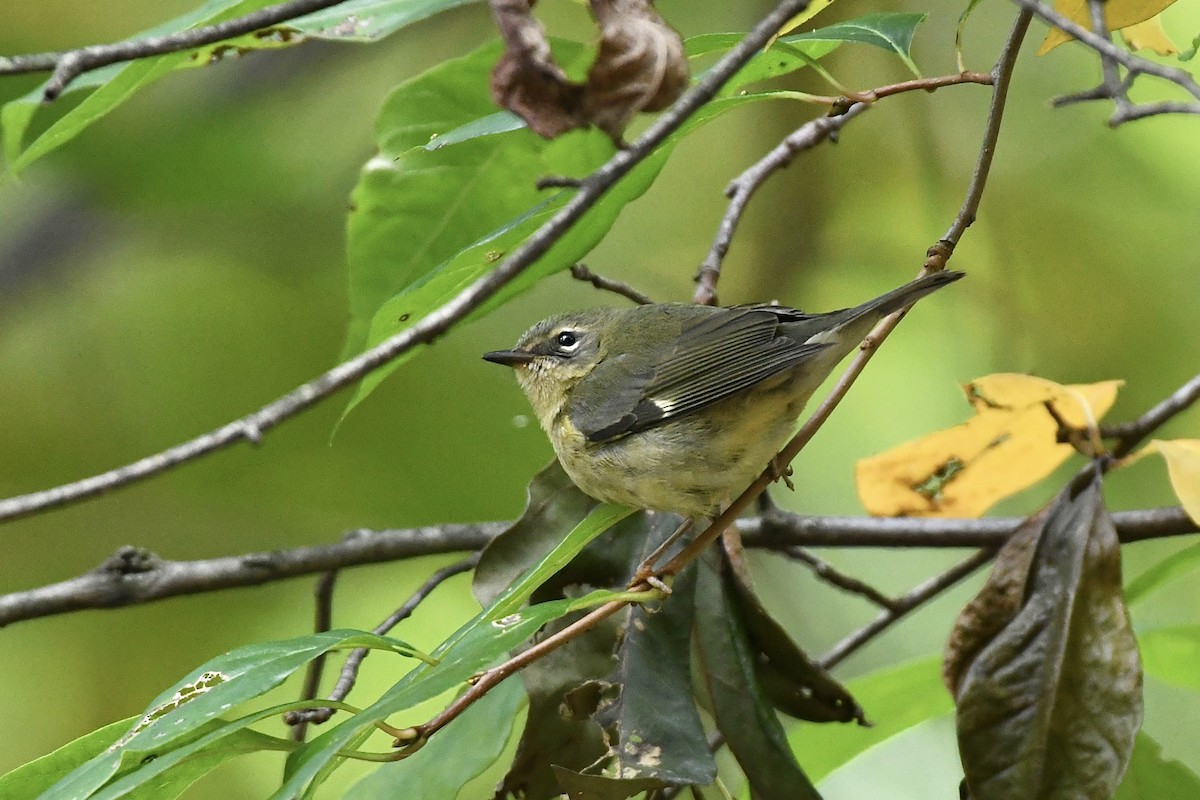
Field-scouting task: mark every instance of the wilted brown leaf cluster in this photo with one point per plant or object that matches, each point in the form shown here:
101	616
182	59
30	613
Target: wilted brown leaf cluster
640	66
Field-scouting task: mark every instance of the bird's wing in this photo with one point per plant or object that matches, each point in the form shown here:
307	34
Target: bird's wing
714	357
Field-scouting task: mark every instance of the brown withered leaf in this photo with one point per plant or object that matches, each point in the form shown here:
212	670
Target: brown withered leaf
1049	706
527	80
996	604
641	65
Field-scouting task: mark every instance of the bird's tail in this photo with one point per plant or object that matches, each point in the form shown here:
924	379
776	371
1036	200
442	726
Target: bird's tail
903	296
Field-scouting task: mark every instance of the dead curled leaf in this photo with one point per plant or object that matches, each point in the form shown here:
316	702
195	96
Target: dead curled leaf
1044	665
1010	444
640	66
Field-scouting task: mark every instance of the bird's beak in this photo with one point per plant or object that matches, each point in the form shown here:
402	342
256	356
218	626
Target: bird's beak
509	358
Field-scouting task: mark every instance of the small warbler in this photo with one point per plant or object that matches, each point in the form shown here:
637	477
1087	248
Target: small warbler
680	407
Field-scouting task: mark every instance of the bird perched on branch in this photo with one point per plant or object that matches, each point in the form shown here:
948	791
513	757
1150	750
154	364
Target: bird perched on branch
680	407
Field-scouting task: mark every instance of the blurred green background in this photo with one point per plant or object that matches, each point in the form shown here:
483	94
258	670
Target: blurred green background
181	264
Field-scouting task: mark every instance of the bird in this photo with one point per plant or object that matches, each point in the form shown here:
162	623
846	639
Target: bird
678	408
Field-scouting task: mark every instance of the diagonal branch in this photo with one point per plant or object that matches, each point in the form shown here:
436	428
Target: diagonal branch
940	252
67	65
1130	434
251	427
905	604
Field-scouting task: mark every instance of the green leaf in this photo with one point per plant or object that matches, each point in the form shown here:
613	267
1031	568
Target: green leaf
116	83
472	648
184	710
1172	653
471	743
1049	707
477	644
168	775
597	522
781	58
742	711
896	699
370	20
1164	572
30	780
890	31
353	21
1152	777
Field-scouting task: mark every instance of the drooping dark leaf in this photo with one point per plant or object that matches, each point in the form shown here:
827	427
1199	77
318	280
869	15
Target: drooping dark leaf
793	682
582	786
741	709
997	602
654	726
559	729
1050	705
567	686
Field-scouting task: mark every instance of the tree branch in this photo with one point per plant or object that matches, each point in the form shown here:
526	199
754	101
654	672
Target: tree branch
809	135
349	675
70	64
1136	65
133	576
1130	434
941	251
251	427
581	273
743	187
904	604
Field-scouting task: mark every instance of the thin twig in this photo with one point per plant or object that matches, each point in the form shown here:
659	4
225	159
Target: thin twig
322	621
581	273
70	64
349	674
835	577
1130	434
917	84
743	187
1134	64
809	135
903	605
437	322
940	252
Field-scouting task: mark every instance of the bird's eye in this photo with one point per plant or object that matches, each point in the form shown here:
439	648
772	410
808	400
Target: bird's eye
566	340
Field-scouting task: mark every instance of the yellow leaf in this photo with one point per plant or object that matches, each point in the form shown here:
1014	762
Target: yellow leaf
1118	14
1149	34
815	7
1009	445
1183	466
